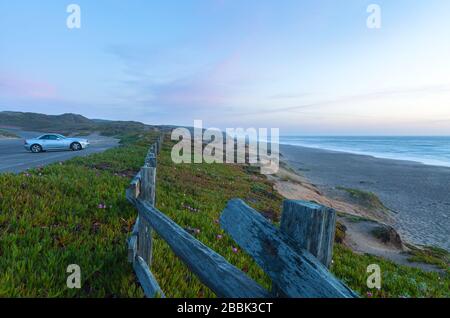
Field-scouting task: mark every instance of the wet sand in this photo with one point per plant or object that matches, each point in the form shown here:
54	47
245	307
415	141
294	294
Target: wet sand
418	195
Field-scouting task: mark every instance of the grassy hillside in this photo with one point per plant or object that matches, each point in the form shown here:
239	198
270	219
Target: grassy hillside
69	123
76	212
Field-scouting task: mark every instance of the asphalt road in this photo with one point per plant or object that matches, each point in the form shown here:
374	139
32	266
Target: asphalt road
14	158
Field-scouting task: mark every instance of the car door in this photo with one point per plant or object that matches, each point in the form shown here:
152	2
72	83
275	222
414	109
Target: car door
44	142
53	142
63	142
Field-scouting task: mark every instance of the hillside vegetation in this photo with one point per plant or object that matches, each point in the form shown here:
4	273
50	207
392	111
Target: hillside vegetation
69	123
76	213
7	134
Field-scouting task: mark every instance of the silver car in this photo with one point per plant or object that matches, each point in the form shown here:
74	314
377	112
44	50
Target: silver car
55	142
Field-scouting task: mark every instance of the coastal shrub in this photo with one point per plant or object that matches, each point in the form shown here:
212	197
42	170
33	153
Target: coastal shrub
430	255
7	134
396	280
387	234
339	235
364	198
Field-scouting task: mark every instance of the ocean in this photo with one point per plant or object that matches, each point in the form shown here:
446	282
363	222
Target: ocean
427	150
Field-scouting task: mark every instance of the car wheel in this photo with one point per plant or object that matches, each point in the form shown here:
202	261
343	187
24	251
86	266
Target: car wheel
36	148
75	146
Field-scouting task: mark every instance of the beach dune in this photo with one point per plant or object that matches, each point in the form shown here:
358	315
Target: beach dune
417	195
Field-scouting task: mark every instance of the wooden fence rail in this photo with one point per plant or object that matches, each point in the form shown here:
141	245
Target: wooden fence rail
295	256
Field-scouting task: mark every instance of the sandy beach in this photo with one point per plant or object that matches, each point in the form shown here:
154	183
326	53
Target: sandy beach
417	195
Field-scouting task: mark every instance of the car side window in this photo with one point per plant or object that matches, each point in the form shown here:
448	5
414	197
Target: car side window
45	137
53	137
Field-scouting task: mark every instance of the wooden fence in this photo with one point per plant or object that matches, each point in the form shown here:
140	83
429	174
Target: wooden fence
296	256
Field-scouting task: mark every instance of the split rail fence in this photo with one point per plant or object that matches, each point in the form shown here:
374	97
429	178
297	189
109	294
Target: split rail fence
295	256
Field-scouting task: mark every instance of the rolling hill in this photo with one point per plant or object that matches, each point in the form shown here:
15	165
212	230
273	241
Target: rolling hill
69	124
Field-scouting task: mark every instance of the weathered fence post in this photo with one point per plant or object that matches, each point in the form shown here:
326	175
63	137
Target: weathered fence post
133	242
311	227
160	142
148	179
135	185
148	185
152	151
145	241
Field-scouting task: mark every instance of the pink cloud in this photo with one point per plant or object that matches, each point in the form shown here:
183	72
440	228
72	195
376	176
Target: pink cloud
213	87
13	86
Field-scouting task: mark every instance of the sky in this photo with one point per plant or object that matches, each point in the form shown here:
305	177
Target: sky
306	67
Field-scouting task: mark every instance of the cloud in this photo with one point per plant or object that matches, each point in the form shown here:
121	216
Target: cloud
432	89
13	86
178	84
289	96
165	82
210	88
